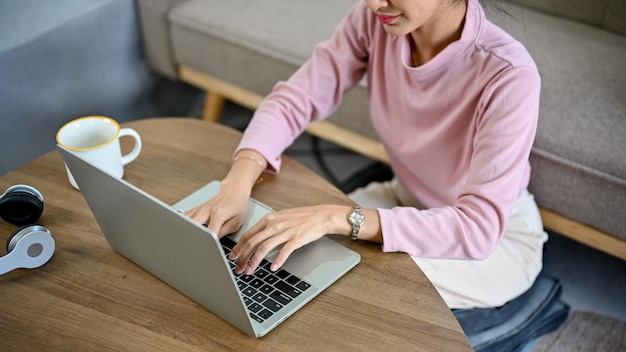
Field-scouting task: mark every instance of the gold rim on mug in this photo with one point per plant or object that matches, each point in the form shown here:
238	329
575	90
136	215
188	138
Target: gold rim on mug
108	119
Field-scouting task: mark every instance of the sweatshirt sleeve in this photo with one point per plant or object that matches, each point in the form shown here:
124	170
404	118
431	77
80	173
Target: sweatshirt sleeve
312	93
472	226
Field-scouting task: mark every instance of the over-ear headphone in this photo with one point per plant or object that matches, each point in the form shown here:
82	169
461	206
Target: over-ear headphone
30	246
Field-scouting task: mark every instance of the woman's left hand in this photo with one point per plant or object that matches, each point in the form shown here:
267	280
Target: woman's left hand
291	228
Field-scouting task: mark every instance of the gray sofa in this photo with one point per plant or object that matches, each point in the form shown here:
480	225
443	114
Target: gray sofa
63	59
238	50
51	73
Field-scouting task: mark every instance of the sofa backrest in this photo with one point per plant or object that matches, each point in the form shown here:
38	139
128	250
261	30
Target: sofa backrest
606	14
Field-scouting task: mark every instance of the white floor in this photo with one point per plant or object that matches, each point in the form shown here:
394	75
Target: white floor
592	281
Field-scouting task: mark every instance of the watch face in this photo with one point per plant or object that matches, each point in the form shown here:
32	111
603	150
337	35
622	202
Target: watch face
357	218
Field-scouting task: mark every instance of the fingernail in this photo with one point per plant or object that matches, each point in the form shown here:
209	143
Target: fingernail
274	267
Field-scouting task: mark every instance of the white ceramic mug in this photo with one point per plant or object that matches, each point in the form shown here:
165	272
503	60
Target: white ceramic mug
96	139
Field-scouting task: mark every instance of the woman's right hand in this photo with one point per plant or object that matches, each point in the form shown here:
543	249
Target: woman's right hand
224	213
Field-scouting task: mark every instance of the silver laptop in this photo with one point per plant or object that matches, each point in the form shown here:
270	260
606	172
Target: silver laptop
190	258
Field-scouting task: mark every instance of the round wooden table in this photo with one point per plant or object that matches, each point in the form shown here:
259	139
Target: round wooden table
89	298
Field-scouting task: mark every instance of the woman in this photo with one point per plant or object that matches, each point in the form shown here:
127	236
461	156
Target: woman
454	100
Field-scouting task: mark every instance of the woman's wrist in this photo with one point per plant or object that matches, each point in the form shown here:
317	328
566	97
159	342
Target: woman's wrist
250	155
339	224
372	228
246	169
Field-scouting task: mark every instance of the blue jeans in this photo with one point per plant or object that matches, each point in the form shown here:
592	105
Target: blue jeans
517	323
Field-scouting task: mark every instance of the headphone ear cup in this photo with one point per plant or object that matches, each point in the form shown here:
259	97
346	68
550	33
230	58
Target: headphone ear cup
12	240
29	247
21	205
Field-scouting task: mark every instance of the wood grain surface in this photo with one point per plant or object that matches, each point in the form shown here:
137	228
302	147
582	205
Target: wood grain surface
89	298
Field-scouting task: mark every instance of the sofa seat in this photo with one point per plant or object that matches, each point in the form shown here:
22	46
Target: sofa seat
579	173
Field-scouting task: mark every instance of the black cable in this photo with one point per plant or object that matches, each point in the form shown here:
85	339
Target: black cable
375	171
321	162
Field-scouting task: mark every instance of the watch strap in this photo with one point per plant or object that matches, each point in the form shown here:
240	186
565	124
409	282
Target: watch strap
356	219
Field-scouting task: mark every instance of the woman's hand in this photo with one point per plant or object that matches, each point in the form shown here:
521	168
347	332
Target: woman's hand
291	228
224	213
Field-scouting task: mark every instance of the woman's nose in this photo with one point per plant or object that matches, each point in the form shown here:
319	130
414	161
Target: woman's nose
376	4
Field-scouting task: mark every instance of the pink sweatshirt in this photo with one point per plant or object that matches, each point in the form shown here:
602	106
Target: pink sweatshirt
458	130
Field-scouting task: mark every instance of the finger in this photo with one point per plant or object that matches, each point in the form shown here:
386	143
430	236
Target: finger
216	220
249	250
290	240
252	232
230	226
198	215
252	251
283	255
261	252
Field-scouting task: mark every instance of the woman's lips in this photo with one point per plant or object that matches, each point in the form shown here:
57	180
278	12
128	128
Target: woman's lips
384	19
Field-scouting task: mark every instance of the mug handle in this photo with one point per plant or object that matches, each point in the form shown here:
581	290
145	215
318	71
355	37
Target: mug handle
135	152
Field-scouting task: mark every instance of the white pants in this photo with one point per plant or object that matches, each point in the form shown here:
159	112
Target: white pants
506	274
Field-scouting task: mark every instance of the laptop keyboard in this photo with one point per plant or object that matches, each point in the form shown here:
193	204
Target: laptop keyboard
265	292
